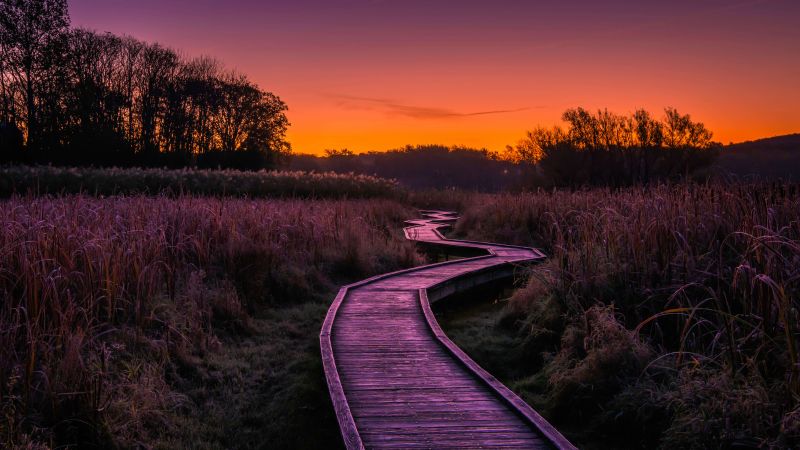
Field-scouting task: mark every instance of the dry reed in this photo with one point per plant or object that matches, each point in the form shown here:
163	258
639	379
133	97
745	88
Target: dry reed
99	297
708	276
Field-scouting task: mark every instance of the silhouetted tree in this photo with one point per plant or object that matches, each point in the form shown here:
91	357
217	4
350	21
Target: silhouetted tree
249	127
609	149
79	97
336	153
31	32
95	101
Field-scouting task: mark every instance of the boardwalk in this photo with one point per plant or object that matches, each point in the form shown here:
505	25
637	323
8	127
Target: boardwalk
397	381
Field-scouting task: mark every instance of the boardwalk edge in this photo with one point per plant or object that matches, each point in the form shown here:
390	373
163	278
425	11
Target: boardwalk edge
349	430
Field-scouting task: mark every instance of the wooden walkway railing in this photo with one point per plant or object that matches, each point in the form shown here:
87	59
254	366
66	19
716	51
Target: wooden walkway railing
397	381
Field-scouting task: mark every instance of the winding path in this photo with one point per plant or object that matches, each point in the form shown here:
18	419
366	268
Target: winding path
397	381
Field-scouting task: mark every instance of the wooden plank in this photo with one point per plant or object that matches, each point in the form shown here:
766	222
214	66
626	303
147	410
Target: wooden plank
544	427
393	378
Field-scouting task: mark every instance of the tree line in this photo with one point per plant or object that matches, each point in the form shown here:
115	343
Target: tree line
423	167
609	149
77	97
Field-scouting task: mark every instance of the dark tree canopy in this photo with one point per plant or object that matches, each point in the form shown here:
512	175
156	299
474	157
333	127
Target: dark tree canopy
77	97
31	47
614	150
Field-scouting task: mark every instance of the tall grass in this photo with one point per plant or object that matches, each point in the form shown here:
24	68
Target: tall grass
672	310
101	299
41	180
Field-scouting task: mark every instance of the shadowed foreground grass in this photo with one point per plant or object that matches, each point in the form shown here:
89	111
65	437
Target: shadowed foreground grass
265	389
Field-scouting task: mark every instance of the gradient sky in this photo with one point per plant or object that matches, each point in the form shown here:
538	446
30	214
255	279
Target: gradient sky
379	74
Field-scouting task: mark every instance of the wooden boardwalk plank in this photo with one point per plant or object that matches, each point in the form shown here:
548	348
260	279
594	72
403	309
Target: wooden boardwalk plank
397	381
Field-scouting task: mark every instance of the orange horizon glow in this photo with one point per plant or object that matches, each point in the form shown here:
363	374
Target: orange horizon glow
377	75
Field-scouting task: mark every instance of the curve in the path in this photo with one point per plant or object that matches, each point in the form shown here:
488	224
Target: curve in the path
397	381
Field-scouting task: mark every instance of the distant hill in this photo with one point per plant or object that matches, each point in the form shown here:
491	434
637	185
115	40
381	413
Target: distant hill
775	157
426	166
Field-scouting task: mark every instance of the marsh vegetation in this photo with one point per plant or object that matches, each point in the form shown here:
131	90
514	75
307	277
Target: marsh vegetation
165	321
666	316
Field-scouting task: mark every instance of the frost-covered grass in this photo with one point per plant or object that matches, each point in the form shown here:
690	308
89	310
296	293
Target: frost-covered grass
125	320
665	316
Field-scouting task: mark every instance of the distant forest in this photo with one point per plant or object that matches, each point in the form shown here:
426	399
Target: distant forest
525	166
594	149
76	97
425	166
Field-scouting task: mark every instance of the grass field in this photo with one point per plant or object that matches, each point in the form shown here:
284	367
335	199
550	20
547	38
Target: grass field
168	321
665	316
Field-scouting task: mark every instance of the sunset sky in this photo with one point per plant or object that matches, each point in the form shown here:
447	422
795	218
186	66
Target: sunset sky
379	74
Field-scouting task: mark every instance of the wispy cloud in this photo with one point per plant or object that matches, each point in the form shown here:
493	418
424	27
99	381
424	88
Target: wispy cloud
393	107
